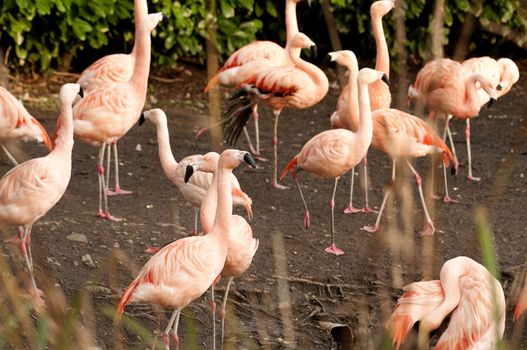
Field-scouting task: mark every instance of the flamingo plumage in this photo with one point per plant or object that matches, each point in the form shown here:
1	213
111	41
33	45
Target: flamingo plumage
521	305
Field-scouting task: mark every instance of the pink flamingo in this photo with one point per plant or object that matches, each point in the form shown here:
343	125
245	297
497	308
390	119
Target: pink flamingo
242	245
380	97
107	114
31	189
299	86
401	136
468	291
446	87
332	153
117	68
521	306
17	123
184	269
195	190
267	53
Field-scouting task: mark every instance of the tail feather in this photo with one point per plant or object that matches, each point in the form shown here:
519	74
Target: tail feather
126	298
432	139
56	134
45	135
290	166
237	112
521	307
212	83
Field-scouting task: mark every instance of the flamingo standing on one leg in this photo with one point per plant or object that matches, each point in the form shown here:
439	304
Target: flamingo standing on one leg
332	153
183	270
468	291
107	114
445	86
273	54
195	190
17	123
521	306
299	86
401	136
31	189
242	245
116	68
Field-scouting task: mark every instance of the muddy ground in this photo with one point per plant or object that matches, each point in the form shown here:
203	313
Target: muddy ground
292	285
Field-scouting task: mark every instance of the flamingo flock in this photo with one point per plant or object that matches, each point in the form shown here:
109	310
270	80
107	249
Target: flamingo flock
108	100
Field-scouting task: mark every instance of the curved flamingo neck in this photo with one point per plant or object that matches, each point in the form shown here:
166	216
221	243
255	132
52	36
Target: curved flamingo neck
365	130
64	140
291	23
316	74
222	219
471	105
208	205
382	61
353	93
168	162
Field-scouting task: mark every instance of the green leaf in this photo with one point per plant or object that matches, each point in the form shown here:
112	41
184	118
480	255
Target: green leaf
226	9
271	8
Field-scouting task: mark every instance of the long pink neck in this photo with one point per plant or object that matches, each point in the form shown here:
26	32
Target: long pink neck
365	130
222	220
208	206
291	23
353	94
140	15
382	62
316	74
64	140
168	162
139	80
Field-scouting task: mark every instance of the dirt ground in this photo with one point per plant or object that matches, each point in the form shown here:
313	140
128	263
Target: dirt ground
292	285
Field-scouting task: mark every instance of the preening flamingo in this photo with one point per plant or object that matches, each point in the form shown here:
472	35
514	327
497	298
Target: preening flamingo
446	87
183	270
195	190
31	189
380	97
242	245
299	86
468	291
272	55
521	306
17	123
117	68
332	153
107	114
401	136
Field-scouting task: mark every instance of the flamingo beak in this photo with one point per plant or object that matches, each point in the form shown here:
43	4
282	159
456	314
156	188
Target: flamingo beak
499	87
142	119
313	49
249	210
81	92
385	79
188	172
249	160
491	102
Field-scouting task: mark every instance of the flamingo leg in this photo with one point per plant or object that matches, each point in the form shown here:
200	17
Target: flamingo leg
174	333
213	306
249	142
118	190
351	209
195	230
429	228
169	327
28	258
223	309
469	154
9	155
102	189
375	227
256	127
452	146
333	249
366	208
447	198
275	183
108	160
307	220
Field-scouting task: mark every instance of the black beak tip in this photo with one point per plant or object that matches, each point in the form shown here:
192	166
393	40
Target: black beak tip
386	79
314	50
248	158
491	102
499	87
163	17
188	173
81	92
142	119
453	171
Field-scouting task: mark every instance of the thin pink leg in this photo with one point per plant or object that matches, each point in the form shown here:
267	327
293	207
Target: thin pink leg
351	209
333	249
429	228
275	183
469	154
102	189
307	220
166	339
447	198
375	227
175	337
223	307
118	190
366	208
213	307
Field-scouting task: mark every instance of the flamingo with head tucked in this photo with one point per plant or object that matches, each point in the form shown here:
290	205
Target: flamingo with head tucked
31	189
183	270
17	123
468	292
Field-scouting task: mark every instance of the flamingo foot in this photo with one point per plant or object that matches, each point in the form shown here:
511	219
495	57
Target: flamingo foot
108	216
37	296
307	220
332	249
200	133
117	191
371	229
351	210
448	199
152	249
277	186
435	196
368	210
428	230
166	341
175	339
473	178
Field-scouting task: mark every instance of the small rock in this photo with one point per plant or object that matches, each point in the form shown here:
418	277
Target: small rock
138	147
116	245
77	237
149	206
86	258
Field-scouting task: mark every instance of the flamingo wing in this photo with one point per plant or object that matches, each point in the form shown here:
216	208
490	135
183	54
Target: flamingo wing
117	68
521	306
256	50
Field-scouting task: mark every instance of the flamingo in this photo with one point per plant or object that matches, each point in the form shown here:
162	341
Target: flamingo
445	86
242	245
107	114
332	153
299	86
31	189
195	190
17	123
380	97
117	68
267	53
468	291
183	270
401	136
521	306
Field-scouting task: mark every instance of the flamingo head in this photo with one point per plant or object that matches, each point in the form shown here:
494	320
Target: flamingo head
344	58
156	116
153	20
231	158
381	8
302	41
68	93
490	89
368	76
509	74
